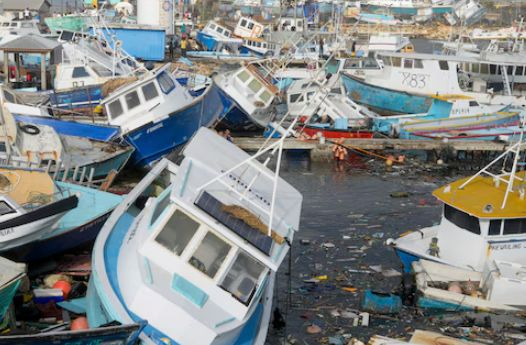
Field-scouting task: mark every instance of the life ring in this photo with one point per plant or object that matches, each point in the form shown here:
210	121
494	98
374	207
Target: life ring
29	129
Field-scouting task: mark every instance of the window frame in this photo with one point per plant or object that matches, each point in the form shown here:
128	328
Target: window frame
138	98
159	77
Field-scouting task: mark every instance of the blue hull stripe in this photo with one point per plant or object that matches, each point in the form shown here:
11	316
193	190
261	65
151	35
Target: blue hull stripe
77	129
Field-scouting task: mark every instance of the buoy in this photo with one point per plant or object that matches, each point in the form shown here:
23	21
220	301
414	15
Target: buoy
454	287
389	162
440	162
64	286
79	324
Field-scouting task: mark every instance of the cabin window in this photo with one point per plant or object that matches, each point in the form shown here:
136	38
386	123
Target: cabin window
242	278
520	70
13	25
132	100
387	61
418	64
115	108
294	97
210	254
177	233
9	97
473	104
243	22
212	26
254	85
408	63
484	68
220	30
149	91
79	72
397	62
514	226
5	24
243	76
162	203
250	26
510	70
494	227
493	69
475	68
26	25
165	82
5	208
265	96
444	66
462	219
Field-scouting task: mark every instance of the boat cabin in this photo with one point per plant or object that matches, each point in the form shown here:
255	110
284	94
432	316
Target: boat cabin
215	30
151	98
20	27
259	46
71	75
248	28
254	87
291	24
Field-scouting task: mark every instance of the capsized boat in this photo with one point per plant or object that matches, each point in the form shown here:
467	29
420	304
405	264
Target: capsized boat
31	206
215	37
251	95
202	254
482	219
330	112
407	82
40	146
61	335
447	116
78	227
11	275
87	63
500	287
155	114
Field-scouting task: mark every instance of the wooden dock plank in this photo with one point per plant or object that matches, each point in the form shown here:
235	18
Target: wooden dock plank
251	144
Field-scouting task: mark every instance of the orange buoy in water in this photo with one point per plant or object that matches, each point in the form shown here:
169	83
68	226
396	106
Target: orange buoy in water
64	286
79	324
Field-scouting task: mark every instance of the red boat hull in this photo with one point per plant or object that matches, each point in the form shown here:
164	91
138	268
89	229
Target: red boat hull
338	133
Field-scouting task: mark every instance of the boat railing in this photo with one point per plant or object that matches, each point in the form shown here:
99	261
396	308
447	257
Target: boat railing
507	177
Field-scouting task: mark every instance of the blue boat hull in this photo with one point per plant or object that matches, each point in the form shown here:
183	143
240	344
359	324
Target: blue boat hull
435	305
206	41
385	100
407	259
155	140
77	100
71	239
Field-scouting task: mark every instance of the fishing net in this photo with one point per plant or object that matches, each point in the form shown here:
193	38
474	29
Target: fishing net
5	184
113	84
251	220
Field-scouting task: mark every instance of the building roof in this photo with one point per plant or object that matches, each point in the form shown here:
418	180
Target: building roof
20	5
30	44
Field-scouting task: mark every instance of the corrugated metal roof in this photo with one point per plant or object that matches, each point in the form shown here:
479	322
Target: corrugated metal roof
30	43
34	5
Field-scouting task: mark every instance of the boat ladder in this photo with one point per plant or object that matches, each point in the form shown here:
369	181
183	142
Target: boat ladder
505	79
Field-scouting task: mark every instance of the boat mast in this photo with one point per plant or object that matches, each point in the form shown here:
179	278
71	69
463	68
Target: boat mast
506	177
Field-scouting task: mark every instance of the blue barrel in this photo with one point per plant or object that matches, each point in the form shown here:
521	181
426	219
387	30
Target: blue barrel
381	303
